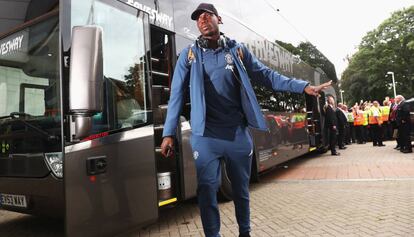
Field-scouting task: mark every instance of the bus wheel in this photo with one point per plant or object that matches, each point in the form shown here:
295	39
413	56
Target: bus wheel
225	192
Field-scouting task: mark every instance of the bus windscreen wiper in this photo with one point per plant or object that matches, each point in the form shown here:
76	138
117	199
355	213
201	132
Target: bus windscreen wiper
17	116
14	115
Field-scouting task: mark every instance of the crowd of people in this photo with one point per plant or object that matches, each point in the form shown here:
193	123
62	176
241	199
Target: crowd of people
368	121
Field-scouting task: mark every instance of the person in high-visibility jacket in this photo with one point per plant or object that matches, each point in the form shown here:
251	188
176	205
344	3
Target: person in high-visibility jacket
387	128
375	122
365	112
358	122
350	137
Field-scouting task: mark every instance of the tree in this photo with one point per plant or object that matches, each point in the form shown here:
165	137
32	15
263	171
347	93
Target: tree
390	47
276	101
312	56
289	47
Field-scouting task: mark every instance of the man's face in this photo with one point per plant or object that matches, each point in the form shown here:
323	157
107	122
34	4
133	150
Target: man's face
207	24
397	99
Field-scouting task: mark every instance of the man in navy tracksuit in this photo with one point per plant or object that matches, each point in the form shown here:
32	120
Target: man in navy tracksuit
223	104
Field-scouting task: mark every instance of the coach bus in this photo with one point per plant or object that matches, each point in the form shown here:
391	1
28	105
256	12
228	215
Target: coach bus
84	88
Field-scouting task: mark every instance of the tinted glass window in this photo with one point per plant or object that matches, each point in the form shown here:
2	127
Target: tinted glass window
125	62
30	88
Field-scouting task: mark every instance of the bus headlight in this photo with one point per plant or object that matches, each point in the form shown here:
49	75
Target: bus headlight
55	163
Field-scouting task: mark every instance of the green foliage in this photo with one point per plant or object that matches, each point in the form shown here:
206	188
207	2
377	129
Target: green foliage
312	56
289	47
278	101
390	47
291	102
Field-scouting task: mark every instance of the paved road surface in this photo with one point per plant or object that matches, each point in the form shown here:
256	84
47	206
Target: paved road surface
367	191
16	225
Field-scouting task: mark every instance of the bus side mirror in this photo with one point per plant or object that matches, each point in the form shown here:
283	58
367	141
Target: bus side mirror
86	77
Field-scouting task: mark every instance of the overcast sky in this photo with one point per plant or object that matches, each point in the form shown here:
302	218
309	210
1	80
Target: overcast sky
335	27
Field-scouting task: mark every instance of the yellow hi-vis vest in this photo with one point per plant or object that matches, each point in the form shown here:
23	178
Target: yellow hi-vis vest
366	115
375	119
350	117
385	110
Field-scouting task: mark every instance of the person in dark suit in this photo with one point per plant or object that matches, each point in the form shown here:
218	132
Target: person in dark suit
393	119
404	126
331	124
342	122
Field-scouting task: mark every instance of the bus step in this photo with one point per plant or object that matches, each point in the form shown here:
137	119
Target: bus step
160	114
166	202
160	74
160	95
158	127
158	150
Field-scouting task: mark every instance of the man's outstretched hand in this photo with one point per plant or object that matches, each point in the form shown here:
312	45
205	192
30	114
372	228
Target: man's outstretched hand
314	90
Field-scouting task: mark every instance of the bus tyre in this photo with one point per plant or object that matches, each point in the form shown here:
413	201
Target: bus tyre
225	192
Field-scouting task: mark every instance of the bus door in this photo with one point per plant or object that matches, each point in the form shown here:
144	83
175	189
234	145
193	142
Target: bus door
322	100
176	174
109	164
312	120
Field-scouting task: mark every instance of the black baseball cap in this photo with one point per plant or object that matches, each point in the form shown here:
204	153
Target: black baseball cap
203	7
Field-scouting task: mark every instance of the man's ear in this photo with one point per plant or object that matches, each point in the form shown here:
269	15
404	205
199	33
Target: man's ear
219	20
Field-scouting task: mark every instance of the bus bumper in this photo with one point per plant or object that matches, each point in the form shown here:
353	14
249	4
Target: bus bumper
43	196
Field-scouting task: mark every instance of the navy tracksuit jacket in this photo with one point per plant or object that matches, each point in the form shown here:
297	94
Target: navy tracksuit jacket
209	151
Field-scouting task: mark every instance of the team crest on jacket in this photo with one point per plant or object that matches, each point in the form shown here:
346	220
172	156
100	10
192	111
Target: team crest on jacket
195	155
229	61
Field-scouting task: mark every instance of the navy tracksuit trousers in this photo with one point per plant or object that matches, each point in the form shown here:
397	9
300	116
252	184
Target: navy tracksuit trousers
237	155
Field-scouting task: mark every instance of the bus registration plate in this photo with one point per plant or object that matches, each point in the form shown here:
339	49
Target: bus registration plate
13	200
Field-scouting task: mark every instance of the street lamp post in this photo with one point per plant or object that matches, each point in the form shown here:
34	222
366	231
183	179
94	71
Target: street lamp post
393	82
342	97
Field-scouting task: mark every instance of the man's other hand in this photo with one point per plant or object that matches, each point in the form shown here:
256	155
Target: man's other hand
167	146
314	90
